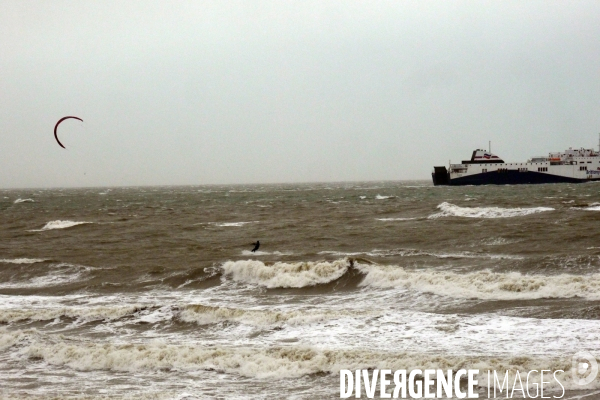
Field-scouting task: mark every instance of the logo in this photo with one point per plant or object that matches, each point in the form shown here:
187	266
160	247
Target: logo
584	368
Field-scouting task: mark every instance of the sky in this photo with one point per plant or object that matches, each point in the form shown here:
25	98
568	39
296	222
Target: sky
239	92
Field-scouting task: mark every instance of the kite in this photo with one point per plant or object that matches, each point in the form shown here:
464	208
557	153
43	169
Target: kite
56	126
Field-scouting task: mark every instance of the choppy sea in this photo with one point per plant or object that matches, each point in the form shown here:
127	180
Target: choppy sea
153	292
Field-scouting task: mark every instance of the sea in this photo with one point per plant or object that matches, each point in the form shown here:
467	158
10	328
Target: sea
154	293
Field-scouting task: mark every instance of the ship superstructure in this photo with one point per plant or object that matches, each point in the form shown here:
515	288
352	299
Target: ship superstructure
484	167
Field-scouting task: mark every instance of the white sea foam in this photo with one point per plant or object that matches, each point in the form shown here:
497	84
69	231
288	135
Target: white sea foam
205	315
496	241
483	284
379	197
267	363
58	224
17	201
451	210
593	207
22	260
310	341
10	338
227	224
152	316
343	253
281	274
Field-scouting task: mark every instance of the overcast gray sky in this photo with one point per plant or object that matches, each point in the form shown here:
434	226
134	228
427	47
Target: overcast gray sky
201	92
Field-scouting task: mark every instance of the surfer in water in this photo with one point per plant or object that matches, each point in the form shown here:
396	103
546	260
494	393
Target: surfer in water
256	246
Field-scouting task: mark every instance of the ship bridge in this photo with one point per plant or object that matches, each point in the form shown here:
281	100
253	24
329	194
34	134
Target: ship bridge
483	157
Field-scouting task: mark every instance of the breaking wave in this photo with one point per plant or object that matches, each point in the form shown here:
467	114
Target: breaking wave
484	284
206	315
229	224
285	275
17	201
58	224
418	253
198	314
451	210
592	207
59	274
259	362
22	260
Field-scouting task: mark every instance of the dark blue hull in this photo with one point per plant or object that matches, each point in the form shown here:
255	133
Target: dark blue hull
509	177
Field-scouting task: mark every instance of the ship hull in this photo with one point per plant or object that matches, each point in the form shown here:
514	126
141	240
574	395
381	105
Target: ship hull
508	178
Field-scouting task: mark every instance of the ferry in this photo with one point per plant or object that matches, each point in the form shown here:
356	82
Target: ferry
486	168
